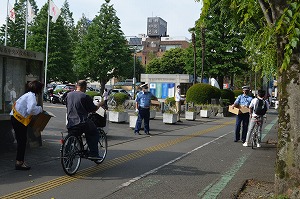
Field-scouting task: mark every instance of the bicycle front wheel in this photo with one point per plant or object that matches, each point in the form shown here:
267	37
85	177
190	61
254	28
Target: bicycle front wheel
70	154
102	146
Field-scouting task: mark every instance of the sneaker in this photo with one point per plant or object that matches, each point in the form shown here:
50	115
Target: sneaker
258	145
245	144
137	133
22	166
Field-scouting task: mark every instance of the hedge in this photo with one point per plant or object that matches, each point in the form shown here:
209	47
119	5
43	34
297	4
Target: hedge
202	93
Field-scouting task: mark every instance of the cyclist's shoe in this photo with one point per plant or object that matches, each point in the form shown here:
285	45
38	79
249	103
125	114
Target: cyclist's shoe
95	158
258	145
246	144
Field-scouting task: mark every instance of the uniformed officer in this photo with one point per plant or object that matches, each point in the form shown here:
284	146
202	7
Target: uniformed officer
242	100
142	105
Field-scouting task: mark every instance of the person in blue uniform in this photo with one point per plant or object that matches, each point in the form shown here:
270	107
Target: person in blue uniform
142	105
242	100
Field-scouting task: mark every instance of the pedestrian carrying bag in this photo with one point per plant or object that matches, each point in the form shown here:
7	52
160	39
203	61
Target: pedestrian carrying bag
21	118
261	107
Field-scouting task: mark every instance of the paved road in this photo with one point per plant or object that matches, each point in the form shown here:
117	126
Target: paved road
193	159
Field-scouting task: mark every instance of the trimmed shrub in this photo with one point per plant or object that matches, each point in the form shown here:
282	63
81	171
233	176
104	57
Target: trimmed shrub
202	93
93	93
170	100
120	98
227	94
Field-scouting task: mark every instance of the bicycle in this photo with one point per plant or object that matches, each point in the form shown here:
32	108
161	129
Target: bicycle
255	131
74	148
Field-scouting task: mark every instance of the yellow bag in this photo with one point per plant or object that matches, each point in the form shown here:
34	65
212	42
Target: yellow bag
20	118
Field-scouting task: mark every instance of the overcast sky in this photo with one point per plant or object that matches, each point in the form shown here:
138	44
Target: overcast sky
180	15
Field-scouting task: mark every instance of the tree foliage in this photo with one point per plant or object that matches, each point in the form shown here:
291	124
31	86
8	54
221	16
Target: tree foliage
103	53
224	52
60	55
16	30
172	62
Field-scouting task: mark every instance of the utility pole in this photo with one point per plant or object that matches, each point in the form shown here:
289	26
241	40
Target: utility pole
203	51
194	47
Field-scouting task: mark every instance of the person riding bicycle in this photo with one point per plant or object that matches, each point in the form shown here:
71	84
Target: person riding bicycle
258	108
78	106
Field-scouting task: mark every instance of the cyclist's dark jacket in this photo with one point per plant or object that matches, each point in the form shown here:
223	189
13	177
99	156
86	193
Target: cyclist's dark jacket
78	106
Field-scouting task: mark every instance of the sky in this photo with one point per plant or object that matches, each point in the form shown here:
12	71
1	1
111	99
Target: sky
180	15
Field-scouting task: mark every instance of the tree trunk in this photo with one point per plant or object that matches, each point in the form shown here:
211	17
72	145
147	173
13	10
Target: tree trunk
287	175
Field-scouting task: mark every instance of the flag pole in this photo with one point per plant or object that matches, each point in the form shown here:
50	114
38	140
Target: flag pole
47	44
26	24
5	41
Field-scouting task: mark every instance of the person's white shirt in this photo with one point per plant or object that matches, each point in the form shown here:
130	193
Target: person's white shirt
254	104
27	105
105	95
178	98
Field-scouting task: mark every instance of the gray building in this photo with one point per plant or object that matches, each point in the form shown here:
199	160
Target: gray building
156	27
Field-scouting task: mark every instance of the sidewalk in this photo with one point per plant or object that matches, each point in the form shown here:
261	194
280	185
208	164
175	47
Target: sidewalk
256	178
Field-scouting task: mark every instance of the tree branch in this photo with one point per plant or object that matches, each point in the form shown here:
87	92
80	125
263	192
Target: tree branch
265	11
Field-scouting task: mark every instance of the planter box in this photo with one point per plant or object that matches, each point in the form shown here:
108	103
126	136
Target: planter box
169	118
152	114
205	113
189	115
118	116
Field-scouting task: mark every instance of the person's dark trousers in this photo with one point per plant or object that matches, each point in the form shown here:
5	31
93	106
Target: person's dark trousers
21	137
91	134
144	114
241	118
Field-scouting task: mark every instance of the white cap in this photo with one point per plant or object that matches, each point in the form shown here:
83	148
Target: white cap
144	85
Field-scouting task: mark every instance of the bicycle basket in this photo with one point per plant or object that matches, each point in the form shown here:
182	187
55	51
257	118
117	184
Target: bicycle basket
98	119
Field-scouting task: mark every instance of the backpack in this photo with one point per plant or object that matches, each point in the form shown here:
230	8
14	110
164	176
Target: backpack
261	107
98	119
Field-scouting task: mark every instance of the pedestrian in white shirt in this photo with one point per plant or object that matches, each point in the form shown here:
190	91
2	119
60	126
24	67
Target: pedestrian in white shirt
178	100
23	110
258	108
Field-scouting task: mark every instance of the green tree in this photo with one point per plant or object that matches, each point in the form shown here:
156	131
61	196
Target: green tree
172	62
103	53
278	41
154	66
60	46
16	30
224	51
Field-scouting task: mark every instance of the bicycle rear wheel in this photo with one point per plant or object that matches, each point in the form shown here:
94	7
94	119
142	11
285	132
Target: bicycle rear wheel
70	154
102	146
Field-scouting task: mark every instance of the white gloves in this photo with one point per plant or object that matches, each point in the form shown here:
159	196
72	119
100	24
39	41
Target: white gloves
136	110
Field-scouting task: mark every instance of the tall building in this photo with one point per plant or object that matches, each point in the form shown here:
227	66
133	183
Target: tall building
156	27
156	42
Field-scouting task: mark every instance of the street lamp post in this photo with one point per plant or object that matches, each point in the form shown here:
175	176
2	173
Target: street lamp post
194	47
134	79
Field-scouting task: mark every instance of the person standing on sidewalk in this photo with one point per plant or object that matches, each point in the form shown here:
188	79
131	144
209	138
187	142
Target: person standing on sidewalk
258	108
142	107
178	100
22	111
242	100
